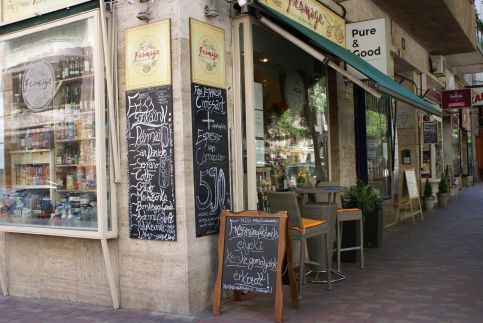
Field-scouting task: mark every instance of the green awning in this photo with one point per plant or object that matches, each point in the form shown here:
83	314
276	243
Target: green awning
384	83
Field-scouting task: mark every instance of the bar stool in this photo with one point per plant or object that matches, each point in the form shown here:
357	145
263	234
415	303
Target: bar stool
344	215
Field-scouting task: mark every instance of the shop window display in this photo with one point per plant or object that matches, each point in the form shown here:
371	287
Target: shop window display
48	123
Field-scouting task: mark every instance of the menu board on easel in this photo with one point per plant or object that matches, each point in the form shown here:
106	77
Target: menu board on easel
410	206
411	183
251	248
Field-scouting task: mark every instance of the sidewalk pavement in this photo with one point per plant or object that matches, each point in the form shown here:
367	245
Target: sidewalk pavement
427	272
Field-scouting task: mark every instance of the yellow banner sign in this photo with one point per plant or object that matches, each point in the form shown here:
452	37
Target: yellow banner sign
148	55
207	54
313	15
14	10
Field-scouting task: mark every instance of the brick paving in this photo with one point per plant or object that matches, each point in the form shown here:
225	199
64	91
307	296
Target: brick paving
428	272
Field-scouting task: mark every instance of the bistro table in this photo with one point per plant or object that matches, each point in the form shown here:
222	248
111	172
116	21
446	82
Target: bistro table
321	211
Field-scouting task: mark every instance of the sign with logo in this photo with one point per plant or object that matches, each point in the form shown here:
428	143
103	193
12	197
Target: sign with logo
367	39
477	96
148	55
456	99
15	10
207	54
38	85
313	15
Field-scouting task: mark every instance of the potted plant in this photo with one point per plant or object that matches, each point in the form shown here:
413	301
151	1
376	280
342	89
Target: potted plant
443	193
428	196
363	196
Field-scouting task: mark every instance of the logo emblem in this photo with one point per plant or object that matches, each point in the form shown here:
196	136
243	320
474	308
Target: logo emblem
147	56
208	55
38	85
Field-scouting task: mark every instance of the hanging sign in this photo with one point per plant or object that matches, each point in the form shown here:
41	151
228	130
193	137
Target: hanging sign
312	15
38	85
210	157
367	39
150	159
477	96
207	54
148	55
456	99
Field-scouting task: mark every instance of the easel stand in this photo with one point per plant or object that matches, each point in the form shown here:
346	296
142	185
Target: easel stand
284	248
410	206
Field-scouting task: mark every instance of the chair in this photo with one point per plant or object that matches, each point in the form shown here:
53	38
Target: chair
300	228
344	215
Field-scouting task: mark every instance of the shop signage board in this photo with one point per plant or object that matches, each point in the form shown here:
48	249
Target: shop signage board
148	55
477	96
312	15
207	54
251	247
151	187
456	99
367	39
430	132
210	157
15	10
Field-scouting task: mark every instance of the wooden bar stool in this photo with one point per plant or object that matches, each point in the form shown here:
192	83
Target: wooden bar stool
344	215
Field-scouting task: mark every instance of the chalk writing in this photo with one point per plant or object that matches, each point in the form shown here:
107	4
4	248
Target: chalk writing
250	254
152	208
210	157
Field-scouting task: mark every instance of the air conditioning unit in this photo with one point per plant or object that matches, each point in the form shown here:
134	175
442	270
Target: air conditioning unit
438	65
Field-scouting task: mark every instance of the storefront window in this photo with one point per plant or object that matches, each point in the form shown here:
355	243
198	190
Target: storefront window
291	114
378	144
48	125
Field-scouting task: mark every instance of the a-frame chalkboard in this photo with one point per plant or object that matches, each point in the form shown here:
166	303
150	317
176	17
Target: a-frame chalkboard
411	188
251	248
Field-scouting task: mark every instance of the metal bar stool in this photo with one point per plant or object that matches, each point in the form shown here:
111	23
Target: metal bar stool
344	215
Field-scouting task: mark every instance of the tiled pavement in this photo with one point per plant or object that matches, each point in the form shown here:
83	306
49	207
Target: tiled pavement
428	272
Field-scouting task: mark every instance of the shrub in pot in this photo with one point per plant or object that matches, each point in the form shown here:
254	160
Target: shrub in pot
428	196
363	196
443	193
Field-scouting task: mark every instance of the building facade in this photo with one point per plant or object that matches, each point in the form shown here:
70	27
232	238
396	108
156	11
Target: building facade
76	167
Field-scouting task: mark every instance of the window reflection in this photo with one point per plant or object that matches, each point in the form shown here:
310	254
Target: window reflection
291	116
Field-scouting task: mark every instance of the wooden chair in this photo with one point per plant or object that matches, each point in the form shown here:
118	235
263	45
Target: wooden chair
300	229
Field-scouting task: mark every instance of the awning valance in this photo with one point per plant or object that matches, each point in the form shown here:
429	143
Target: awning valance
384	83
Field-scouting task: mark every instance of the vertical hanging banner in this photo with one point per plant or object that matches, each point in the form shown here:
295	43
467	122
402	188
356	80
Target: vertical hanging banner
209	126
152	207
148	55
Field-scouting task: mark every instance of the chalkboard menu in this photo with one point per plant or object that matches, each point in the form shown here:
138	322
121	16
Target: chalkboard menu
152	208
250	254
210	157
430	132
251	247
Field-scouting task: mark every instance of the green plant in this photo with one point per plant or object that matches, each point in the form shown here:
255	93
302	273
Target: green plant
443	185
428	189
362	196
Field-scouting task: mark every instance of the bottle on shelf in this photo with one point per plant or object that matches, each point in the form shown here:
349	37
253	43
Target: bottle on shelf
66	71
87	63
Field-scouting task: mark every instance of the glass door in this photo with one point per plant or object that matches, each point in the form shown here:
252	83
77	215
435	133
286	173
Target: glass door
284	110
